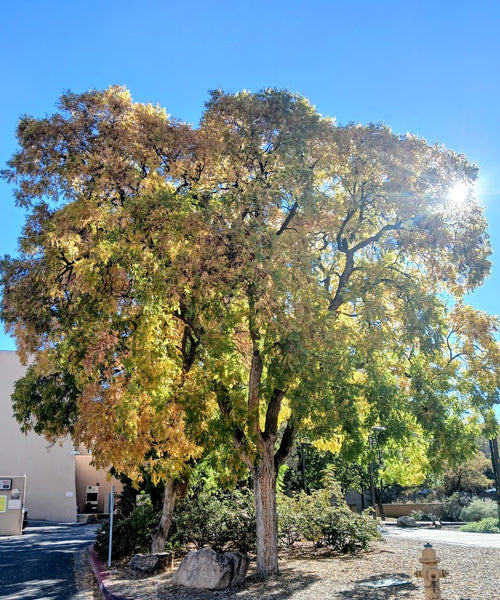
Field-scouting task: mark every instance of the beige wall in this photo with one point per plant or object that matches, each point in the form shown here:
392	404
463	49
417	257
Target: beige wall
400	510
50	471
86	475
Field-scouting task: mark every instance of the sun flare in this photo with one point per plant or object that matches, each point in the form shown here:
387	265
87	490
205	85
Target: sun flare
458	193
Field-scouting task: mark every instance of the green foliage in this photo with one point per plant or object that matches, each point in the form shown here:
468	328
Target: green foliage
468	476
208	516
349	475
323	518
219	519
422	515
452	507
479	509
488	525
131	533
46	404
346	532
260	261
128	497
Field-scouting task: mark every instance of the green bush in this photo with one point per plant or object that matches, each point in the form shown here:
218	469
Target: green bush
324	518
488	525
479	510
422	515
347	532
219	519
131	533
452	507
225	520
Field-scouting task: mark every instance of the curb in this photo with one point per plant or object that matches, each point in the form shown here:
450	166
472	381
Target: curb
101	574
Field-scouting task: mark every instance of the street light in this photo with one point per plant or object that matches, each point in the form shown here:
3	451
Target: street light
495	461
303	446
373	442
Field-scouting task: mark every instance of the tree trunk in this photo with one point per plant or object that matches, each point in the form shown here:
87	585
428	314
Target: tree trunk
264	476
381	511
173	489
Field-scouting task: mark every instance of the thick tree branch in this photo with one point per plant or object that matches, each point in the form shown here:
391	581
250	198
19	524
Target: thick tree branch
338	300
189	349
226	409
272	414
376	237
289	217
253	394
349	268
285	448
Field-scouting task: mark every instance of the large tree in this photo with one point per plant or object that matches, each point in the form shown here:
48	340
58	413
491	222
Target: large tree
100	178
239	277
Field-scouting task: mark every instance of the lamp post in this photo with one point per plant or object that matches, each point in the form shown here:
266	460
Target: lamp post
495	461
303	446
373	443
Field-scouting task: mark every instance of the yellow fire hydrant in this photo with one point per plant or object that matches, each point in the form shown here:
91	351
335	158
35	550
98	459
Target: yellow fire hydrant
430	573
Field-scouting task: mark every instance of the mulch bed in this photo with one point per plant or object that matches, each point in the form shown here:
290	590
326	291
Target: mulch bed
307	575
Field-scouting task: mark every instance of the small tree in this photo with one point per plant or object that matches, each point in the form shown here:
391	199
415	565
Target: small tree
468	477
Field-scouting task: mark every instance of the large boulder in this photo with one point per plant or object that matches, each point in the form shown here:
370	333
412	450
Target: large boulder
149	564
207	570
406	522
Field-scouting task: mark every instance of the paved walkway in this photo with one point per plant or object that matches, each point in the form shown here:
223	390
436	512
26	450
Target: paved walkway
445	536
40	563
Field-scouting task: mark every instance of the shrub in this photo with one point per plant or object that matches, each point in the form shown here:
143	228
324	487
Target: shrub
324	518
219	519
347	532
488	525
422	515
131	533
452	507
288	521
479	510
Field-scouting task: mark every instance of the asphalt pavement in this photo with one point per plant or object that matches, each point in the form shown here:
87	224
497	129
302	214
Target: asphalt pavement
40	564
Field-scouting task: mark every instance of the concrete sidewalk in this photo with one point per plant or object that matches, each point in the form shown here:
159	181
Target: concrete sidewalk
445	536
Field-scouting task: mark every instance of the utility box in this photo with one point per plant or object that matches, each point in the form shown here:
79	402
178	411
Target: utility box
12	492
91	498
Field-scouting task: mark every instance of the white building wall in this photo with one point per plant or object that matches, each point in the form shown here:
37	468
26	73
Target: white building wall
50	471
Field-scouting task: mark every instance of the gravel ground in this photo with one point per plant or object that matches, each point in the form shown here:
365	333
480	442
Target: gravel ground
473	575
85	580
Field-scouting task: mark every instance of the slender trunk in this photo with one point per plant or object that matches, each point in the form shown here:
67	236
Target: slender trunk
381	510
264	477
495	461
173	489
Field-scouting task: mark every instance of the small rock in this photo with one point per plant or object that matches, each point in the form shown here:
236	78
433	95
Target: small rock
149	564
406	522
205	569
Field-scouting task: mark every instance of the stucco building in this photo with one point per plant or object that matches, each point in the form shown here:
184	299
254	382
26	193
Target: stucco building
57	477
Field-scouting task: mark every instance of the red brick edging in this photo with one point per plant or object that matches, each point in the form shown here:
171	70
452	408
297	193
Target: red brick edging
101	574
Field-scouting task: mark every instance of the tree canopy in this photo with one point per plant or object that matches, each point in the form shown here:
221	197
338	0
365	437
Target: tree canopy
265	273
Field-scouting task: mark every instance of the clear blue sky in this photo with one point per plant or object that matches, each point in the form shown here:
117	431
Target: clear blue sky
429	67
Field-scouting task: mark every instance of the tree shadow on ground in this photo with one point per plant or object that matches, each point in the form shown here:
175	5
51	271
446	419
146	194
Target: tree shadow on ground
395	592
279	587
